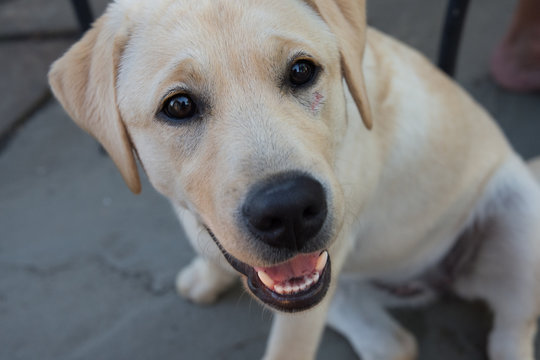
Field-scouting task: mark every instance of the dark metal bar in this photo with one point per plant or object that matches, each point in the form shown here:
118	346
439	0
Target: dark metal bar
451	35
84	14
40	35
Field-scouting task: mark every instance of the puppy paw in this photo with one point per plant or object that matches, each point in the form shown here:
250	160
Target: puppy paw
402	346
202	282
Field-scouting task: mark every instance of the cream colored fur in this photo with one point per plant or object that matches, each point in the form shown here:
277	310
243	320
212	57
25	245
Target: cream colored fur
410	160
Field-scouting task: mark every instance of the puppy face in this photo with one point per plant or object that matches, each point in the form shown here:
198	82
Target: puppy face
235	110
220	97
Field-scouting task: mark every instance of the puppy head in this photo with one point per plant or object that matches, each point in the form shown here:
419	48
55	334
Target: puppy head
236	111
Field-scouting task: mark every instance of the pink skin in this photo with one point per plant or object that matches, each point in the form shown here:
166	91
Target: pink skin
299	266
316	102
515	64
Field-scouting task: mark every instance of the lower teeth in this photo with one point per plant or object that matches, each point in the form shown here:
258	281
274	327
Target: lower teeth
288	288
293	286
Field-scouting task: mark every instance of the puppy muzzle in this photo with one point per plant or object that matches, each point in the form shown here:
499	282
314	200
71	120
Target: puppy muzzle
286	214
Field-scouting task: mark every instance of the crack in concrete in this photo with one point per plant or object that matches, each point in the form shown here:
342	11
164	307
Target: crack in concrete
38	271
144	277
146	280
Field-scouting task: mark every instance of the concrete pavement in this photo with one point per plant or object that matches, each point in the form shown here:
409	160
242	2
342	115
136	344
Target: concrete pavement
88	268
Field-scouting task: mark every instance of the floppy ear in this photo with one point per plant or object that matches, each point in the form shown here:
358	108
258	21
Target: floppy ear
347	20
84	81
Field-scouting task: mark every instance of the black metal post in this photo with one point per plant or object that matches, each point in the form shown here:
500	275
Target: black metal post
451	35
84	14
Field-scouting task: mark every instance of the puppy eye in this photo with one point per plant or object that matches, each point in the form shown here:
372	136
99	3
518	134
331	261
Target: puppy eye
179	107
302	72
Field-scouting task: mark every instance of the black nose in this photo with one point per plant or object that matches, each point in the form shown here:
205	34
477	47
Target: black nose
286	211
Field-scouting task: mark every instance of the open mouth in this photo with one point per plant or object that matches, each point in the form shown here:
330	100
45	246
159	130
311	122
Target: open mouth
294	285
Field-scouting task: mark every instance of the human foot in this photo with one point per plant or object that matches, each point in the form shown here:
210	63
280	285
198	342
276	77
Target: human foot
515	64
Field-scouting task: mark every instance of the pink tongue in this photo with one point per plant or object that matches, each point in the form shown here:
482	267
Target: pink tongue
296	267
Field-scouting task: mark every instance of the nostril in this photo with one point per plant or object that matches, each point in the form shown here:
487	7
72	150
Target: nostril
311	212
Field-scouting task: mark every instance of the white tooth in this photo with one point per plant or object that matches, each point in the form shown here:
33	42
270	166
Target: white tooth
278	288
287	288
304	286
296	288
266	280
321	261
309	281
315	277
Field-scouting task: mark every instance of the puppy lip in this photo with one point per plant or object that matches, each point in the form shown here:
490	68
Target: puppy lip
288	302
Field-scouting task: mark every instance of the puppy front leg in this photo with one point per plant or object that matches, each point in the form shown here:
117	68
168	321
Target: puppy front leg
297	336
361	319
208	275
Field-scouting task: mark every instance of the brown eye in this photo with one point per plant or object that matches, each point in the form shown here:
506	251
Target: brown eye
179	107
302	72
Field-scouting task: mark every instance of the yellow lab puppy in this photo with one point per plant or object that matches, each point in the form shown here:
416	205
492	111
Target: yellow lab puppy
302	146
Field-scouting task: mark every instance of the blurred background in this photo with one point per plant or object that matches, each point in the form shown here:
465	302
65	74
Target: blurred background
87	269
